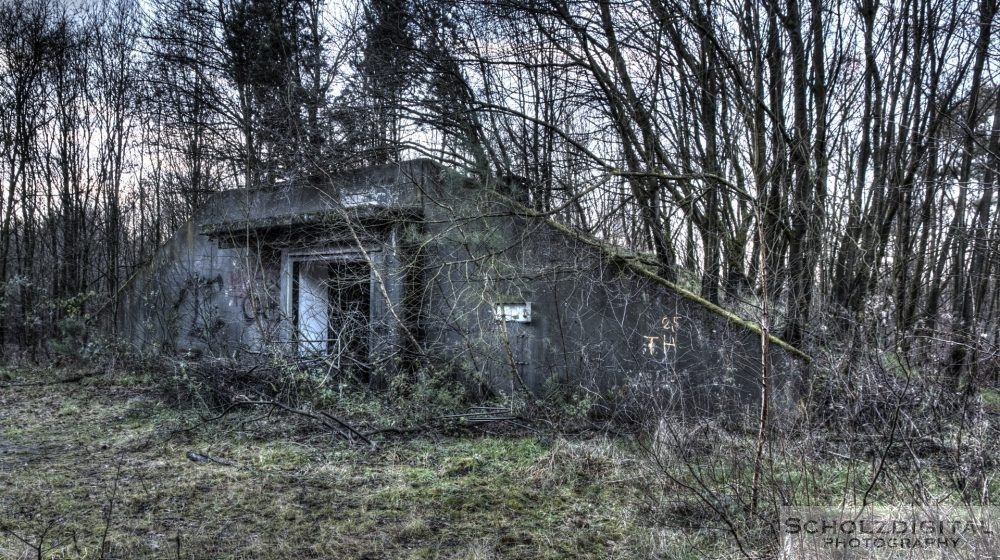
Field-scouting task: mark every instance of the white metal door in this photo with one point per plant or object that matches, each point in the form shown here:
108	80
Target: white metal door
313	307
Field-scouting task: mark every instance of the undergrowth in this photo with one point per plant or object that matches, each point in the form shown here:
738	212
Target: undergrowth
97	465
106	460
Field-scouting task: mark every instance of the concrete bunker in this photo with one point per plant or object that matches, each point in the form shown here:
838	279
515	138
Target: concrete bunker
375	267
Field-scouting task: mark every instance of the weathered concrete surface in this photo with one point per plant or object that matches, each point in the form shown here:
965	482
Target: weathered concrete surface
444	253
391	189
189	299
599	320
215	286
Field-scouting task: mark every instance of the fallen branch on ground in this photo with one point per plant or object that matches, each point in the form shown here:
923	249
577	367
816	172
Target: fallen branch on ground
200	458
332	423
70	379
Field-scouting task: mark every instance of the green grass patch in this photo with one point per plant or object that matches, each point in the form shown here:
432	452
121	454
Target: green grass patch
106	461
991	398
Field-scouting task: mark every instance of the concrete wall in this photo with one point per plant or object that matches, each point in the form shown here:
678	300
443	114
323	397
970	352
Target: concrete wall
597	321
194	297
215	287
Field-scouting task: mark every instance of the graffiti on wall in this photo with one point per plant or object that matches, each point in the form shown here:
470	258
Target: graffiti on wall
664	342
255	300
195	301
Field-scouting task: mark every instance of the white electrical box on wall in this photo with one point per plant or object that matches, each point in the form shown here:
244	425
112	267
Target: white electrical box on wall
513	312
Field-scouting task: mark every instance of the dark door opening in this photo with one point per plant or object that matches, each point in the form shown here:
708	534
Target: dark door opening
349	294
332	312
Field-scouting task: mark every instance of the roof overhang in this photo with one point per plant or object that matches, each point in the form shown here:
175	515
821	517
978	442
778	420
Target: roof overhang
286	229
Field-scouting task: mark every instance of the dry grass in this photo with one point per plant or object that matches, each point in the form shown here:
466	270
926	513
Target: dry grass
105	460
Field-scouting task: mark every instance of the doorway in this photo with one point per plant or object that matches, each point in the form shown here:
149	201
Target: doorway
331	301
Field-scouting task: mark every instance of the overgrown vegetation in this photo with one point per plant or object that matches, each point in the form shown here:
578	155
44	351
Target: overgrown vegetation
108	455
119	464
779	159
872	431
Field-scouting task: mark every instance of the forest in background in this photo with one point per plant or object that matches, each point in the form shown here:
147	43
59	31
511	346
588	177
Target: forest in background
830	166
828	170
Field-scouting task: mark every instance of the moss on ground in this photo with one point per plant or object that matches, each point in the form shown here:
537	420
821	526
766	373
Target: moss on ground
991	398
105	460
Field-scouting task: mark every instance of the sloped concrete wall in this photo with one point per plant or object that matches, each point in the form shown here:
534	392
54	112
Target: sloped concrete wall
597	323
